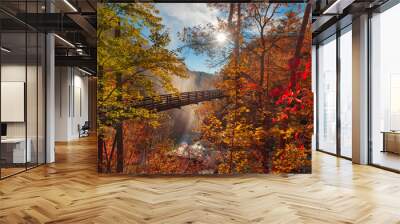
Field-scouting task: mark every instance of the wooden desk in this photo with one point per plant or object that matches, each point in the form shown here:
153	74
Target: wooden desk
13	150
391	141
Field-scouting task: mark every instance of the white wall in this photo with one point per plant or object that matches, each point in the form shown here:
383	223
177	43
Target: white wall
62	82
16	73
80	110
71	102
9	73
33	127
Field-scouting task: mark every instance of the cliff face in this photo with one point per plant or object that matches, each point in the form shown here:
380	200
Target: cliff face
184	119
196	81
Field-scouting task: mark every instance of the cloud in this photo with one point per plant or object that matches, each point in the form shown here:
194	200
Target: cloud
176	16
189	14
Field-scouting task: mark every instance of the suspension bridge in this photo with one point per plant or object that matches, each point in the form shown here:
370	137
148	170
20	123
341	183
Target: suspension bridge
170	101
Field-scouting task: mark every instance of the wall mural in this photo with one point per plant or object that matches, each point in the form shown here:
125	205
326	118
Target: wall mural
196	88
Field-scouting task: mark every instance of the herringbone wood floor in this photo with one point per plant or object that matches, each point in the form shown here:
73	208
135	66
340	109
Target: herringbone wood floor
70	191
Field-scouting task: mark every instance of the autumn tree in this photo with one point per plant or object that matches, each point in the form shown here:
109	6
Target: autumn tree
245	123
133	63
296	100
262	125
262	14
236	133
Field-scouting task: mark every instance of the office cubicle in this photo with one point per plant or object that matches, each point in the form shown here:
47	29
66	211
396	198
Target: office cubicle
22	77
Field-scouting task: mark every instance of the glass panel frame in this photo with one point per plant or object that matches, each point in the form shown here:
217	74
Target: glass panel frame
24	61
384	71
14	147
345	93
326	100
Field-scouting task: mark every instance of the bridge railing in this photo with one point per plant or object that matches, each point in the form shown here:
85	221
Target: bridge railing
169	101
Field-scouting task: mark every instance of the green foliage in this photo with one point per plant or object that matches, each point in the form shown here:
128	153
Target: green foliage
133	61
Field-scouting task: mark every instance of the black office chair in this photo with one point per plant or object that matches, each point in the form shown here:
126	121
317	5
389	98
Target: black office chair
84	130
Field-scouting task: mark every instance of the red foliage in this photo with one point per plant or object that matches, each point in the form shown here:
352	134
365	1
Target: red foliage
295	102
250	86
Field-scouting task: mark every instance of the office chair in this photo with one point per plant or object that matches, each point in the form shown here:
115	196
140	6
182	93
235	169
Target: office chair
84	130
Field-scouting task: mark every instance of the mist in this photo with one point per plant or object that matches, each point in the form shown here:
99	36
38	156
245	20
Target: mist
184	118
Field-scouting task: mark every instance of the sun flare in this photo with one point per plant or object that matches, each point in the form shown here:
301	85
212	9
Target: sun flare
221	37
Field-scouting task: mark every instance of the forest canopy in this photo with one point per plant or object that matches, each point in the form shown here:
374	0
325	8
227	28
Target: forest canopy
259	119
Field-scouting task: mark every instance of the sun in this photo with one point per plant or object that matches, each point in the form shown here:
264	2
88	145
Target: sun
221	37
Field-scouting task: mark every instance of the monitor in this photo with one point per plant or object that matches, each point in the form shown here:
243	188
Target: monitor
3	129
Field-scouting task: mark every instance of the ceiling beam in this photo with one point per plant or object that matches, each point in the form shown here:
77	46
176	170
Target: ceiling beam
81	61
205	1
337	7
49	22
84	24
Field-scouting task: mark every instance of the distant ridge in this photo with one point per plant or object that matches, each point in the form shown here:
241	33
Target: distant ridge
202	80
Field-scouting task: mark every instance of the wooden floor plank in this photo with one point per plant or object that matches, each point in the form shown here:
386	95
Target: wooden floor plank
71	191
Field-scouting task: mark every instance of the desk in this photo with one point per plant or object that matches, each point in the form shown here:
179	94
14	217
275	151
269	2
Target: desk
391	141
13	150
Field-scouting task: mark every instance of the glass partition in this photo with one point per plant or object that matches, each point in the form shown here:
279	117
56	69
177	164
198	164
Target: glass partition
385	89
314	89
31	98
346	93
41	96
327	95
13	104
22	90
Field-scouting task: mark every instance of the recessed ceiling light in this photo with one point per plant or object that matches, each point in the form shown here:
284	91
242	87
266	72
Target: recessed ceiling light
337	7
79	51
64	40
84	71
5	50
70	5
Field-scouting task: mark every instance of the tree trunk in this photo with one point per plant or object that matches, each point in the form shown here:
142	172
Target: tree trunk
261	86
262	68
119	131
268	76
237	65
100	137
231	11
120	148
300	39
100	140
110	158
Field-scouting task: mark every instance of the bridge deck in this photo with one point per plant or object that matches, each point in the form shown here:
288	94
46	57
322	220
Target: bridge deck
170	101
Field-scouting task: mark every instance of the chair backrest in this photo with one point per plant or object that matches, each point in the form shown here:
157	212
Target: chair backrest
86	125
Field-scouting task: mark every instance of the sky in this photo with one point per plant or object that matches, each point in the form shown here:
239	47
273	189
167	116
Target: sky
176	16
